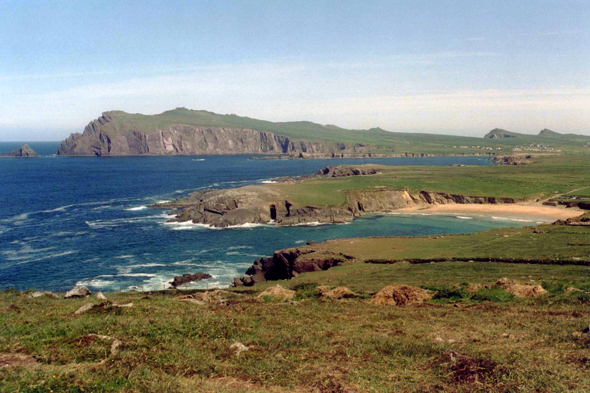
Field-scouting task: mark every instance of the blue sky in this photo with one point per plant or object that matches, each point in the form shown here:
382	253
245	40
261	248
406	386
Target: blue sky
455	67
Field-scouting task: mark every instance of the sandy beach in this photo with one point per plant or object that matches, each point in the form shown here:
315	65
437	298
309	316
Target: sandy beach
538	212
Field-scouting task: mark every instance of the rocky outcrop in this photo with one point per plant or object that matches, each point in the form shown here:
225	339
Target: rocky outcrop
342	171
188	278
23	152
77	291
112	135
288	263
512	160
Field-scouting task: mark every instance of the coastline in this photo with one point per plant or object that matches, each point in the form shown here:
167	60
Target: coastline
517	210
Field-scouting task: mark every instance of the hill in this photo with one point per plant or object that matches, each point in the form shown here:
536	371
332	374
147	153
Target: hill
195	132
498	133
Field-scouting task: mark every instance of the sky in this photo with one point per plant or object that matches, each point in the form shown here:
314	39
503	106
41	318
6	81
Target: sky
439	66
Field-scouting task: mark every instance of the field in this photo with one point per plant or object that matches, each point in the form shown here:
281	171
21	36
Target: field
545	177
503	343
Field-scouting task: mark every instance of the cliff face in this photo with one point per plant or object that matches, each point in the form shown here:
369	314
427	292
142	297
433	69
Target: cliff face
106	137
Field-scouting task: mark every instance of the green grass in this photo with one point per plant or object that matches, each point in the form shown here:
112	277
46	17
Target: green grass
542	179
310	345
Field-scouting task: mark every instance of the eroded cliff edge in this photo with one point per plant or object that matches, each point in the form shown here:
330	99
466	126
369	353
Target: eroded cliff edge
114	134
263	204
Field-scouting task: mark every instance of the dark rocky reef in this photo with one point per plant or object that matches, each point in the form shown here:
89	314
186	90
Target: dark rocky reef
288	263
23	152
188	278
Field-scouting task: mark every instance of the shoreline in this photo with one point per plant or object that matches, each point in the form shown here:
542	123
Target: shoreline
545	213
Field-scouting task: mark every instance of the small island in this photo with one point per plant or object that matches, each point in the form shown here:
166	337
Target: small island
24	152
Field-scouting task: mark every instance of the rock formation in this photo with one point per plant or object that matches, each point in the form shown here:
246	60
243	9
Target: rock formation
188	278
24	152
286	264
264	205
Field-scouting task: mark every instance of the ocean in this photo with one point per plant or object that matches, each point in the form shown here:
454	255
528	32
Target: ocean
67	221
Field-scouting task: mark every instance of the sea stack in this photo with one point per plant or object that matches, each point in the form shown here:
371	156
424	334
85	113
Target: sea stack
24	152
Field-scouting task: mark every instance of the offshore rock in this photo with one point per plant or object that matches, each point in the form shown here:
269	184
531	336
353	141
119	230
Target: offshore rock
24	152
187	278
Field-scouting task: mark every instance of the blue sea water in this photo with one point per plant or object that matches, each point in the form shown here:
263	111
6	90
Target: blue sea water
67	221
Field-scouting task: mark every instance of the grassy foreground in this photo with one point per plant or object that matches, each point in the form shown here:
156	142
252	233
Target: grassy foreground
312	344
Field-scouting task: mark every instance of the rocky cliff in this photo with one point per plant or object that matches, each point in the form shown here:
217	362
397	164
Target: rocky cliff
288	263
113	135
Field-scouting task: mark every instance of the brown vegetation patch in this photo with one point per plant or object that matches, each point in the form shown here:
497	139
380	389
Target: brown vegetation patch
520	290
16	360
398	295
336	293
278	292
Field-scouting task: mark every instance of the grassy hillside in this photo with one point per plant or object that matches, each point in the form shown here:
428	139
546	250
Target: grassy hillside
303	130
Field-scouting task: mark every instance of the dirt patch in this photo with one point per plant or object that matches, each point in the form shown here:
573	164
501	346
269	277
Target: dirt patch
278	292
466	369
17	360
398	295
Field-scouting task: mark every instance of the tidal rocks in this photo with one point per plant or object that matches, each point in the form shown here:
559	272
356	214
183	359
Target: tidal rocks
286	264
187	278
24	152
77	291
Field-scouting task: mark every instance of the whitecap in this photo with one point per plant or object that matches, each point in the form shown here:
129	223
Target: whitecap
95	283
464	217
134	209
269	182
300	241
145	265
239	247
